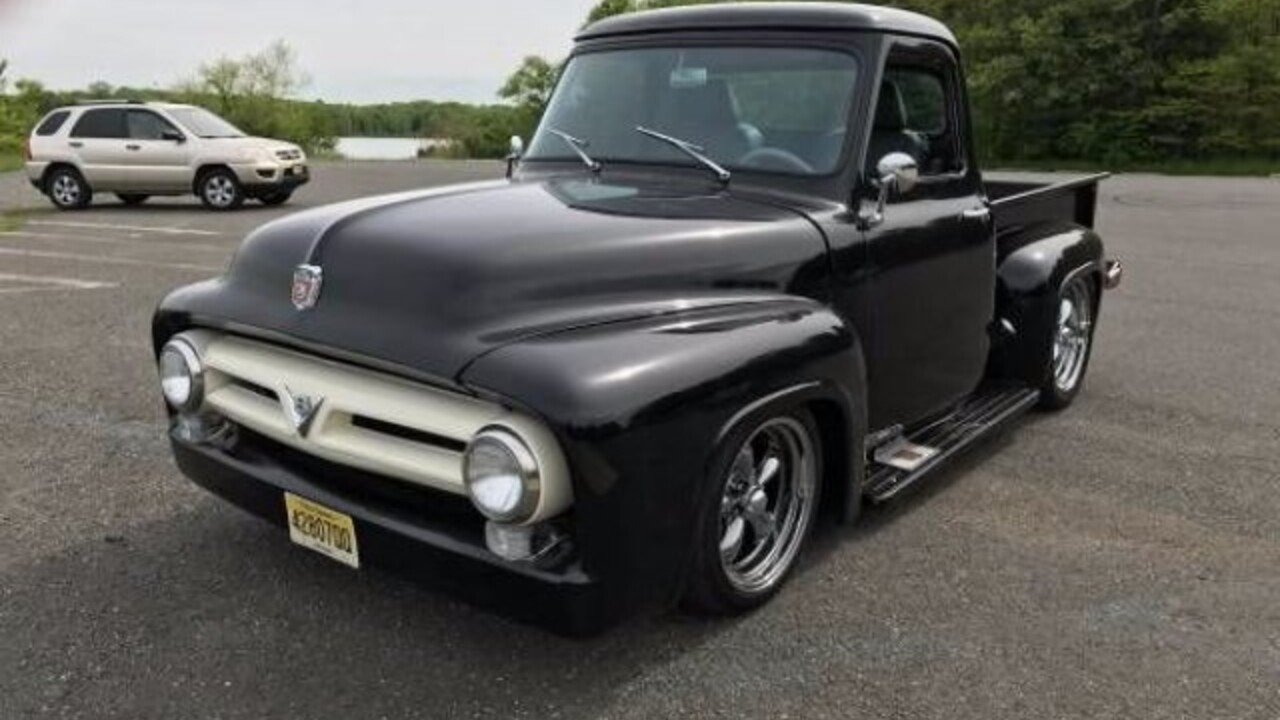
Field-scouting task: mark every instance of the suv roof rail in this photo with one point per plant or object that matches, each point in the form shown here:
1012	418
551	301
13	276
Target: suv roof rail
111	101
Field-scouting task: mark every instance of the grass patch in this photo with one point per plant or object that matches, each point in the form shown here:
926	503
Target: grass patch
11	220
10	163
10	153
1228	167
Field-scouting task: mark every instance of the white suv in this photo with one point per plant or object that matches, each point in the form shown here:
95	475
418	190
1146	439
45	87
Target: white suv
137	150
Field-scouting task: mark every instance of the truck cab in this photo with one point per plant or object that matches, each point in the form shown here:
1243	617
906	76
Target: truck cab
746	268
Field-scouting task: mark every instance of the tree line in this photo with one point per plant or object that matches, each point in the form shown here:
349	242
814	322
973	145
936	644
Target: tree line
256	93
1112	83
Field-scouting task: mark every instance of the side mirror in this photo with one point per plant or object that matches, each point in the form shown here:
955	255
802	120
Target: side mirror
173	135
896	171
900	170
517	151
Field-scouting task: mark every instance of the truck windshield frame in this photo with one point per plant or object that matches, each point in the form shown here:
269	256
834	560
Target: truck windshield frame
754	108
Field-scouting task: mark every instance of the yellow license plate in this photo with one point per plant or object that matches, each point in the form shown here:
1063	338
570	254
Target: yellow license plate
326	531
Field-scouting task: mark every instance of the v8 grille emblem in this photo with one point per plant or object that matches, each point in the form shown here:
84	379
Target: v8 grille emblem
301	410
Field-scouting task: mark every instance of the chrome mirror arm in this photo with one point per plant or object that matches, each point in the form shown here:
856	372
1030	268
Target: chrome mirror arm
513	157
868	219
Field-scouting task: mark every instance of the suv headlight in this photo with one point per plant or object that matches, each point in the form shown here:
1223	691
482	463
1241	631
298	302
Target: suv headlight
502	476
181	375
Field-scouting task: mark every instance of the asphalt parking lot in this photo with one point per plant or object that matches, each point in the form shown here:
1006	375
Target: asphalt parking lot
1118	560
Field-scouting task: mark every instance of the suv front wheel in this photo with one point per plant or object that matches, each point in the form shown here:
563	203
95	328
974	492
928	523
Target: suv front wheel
67	189
220	190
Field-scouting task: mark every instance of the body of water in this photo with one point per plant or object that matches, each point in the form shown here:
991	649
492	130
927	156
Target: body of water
367	148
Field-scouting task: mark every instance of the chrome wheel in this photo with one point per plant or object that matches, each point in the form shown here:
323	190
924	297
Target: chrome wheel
220	191
766	504
65	190
1071	340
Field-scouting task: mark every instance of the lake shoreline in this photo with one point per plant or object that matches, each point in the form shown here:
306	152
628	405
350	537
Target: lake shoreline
387	148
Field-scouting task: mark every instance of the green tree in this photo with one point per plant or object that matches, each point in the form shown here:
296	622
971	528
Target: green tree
255	91
529	88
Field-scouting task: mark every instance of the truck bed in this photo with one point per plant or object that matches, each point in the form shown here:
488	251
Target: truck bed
1019	203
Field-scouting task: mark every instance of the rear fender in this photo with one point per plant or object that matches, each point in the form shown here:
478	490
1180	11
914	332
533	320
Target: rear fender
641	405
1034	262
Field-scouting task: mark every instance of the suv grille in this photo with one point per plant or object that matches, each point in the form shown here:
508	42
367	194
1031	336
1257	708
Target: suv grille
289	154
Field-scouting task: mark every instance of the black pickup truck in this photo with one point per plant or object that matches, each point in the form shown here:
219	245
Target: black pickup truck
746	271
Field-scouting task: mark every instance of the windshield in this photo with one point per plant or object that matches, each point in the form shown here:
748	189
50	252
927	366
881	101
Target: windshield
752	108
205	124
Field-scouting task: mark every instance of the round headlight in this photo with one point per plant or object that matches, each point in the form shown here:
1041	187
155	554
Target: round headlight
501	475
181	376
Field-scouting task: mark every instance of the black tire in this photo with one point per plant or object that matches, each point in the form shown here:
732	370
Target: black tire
722	580
132	199
67	189
220	189
1070	343
279	197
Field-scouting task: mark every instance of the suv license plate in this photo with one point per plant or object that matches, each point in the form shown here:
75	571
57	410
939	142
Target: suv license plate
318	528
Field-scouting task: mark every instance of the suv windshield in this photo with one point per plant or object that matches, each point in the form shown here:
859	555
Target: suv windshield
205	124
752	108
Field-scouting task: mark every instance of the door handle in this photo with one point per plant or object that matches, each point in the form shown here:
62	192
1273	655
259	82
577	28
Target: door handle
131	146
76	144
979	213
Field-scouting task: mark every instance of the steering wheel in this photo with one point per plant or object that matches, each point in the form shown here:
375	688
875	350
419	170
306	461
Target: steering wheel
772	158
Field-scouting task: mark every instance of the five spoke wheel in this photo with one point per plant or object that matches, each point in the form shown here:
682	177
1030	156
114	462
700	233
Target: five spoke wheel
68	190
1071	343
767	497
220	190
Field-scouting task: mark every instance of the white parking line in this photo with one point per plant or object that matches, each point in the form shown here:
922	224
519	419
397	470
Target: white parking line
125	228
108	260
98	240
48	282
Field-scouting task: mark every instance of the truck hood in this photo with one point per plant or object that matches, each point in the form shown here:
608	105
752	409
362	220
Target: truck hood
433	279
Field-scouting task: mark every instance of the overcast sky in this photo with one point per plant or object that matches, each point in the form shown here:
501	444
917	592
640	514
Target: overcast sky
354	50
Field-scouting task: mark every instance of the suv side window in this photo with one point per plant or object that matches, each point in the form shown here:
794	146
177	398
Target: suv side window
52	123
914	115
100	123
146	125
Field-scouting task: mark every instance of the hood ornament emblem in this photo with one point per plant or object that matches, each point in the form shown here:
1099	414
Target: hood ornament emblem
306	286
301	410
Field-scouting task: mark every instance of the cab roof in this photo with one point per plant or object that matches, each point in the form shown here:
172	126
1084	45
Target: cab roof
771	16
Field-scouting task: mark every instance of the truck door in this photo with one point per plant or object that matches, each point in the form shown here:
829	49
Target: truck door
932	251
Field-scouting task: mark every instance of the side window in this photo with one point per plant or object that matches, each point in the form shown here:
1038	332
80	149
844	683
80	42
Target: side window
914	115
145	125
52	123
102	123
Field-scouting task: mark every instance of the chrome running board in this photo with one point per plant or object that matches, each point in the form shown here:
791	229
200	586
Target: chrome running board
976	418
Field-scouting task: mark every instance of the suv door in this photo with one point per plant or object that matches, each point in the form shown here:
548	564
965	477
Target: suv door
157	154
932	253
97	143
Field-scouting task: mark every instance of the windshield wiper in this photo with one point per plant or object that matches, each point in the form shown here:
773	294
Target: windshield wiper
578	145
688	148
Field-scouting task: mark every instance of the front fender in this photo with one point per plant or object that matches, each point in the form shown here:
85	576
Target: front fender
640	406
1034	262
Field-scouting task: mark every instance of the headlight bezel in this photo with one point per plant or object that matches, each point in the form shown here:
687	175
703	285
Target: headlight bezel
190	359
529	473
